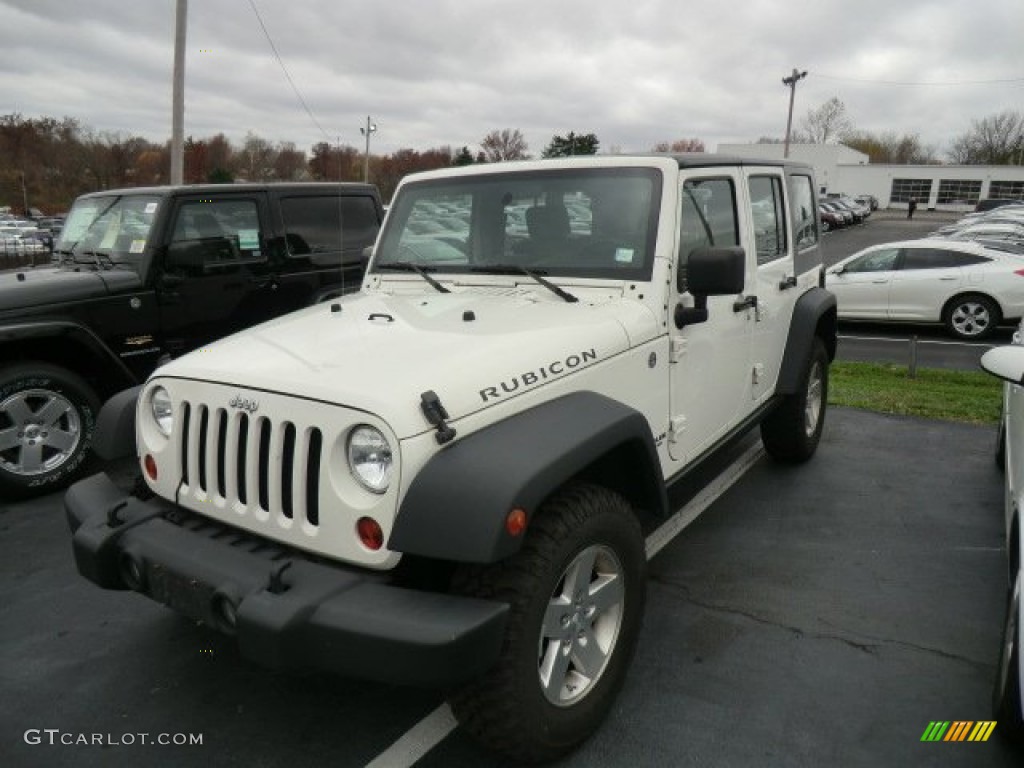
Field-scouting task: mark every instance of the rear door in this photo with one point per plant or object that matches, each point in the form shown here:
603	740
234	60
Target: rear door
926	278
325	236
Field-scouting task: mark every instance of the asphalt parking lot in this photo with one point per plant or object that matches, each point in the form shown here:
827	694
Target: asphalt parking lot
821	615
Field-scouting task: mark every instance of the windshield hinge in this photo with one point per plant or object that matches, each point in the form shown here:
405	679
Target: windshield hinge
436	414
676	427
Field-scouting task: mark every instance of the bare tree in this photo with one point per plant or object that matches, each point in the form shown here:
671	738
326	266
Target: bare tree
829	122
504	145
680	145
993	140
889	147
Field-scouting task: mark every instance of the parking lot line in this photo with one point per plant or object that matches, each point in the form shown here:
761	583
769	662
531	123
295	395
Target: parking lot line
417	741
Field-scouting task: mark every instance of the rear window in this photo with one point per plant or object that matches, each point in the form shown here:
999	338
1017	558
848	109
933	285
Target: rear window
320	227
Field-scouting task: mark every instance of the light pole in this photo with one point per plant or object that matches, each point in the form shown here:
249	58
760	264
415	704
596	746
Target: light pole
370	128
178	94
791	81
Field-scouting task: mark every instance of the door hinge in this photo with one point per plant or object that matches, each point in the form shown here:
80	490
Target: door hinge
678	349
676	427
757	374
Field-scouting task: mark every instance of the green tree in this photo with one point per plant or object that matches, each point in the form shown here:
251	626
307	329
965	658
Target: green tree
889	147
679	145
572	144
463	157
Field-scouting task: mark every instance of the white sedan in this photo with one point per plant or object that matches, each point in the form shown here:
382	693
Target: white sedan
1008	701
967	287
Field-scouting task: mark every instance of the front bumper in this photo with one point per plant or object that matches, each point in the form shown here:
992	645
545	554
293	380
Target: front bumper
288	611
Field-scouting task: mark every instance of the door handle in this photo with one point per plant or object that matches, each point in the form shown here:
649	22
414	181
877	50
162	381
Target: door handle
948	277
747	302
789	282
879	282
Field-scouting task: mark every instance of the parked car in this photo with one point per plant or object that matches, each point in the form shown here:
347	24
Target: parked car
995	202
869	200
830	219
847	214
994	231
1007	363
145	275
968	288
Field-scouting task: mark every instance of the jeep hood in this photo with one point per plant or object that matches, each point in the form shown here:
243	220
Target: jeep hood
380	352
24	288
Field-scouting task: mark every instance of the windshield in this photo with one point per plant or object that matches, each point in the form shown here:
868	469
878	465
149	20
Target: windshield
113	228
584	223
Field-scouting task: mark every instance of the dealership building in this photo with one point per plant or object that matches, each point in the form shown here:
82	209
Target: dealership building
938	187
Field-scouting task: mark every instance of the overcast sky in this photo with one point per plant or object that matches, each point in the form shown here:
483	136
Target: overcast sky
446	72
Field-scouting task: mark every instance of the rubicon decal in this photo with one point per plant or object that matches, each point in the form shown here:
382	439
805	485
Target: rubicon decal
958	730
544	373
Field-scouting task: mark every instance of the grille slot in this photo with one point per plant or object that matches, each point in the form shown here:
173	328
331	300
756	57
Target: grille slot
257	466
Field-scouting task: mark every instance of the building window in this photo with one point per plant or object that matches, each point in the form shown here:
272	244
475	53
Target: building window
1007	190
904	189
959	191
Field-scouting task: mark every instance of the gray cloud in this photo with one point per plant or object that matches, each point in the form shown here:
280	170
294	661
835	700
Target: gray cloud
441	72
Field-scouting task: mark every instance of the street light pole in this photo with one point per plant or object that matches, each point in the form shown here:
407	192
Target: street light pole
791	81
370	128
178	95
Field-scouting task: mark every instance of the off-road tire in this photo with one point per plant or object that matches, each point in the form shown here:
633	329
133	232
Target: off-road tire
507	709
791	432
47	420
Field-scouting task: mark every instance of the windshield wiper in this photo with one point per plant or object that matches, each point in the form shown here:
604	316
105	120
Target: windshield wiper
408	266
515	269
98	257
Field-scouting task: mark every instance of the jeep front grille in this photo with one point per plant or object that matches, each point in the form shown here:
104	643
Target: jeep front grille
253	464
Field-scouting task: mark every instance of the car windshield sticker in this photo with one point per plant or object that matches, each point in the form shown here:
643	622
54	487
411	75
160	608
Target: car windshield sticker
150	208
137	246
248	239
624	255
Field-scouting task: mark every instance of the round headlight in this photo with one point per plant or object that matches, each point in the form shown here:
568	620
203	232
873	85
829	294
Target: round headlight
369	458
163	412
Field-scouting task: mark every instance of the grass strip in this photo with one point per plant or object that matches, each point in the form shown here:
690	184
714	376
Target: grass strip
973	397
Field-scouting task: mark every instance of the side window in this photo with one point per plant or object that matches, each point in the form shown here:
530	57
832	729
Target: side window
707	217
318	228
882	260
769	217
805	223
215	236
937	258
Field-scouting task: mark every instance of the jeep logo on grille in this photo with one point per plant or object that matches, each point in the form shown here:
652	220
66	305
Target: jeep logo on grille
246	405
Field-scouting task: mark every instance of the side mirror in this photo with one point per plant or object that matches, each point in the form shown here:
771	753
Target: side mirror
715	271
1006	363
709	272
837	271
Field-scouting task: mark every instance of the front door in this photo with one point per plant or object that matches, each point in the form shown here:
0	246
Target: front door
710	371
215	277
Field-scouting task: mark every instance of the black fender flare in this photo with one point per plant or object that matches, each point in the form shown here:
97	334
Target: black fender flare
813	315
73	333
456	506
114	437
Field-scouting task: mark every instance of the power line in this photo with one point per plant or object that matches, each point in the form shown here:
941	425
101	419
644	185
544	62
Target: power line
285	70
901	82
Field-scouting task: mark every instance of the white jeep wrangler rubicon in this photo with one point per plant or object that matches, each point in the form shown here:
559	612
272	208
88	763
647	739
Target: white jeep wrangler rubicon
447	478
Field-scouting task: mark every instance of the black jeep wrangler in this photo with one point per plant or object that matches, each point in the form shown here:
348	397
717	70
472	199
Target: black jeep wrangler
143	275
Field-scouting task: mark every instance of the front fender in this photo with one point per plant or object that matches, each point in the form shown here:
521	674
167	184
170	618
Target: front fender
455	508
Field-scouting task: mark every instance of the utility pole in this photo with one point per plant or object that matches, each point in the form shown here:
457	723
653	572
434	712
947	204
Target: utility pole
370	128
791	81
178	95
